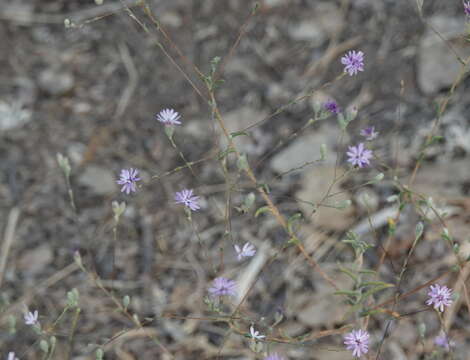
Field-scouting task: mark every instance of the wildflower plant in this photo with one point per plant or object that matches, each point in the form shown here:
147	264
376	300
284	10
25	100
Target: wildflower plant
361	256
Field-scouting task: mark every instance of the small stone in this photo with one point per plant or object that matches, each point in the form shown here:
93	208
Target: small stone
33	261
56	82
306	148
242	118
367	199
438	67
315	184
308	30
171	19
13	115
76	152
273	3
100	181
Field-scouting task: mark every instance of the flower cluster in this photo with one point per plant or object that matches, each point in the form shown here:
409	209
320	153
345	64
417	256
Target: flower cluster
247	250
31	318
369	133
466	7
359	156
358	342
11	356
439	296
128	179
443	341
255	334
353	61
332	107
223	287
169	117
187	198
274	357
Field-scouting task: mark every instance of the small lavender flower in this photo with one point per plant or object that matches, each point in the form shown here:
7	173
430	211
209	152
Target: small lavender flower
274	357
223	286
443	341
31	318
358	342
369	133
332	107
11	356
169	117
255	334
358	155
353	61
247	250
187	198
439	296
466	7
128	180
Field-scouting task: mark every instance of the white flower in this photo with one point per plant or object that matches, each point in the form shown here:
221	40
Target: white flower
246	251
169	117
11	356
255	334
31	318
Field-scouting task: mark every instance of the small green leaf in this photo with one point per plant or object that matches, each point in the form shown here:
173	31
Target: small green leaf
262	210
44	346
242	162
419	230
126	300
238	133
349	273
291	222
322	152
99	354
224	153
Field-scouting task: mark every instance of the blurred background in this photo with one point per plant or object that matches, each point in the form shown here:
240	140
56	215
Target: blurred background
85	80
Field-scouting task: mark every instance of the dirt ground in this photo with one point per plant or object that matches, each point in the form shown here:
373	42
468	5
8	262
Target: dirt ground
90	91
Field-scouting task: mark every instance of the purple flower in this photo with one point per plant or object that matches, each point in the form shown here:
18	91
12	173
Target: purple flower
11	356
187	198
255	334
359	156
31	318
358	342
169	117
466	7
439	296
128	179
353	61
369	133
274	357
332	107
443	341
223	286
247	250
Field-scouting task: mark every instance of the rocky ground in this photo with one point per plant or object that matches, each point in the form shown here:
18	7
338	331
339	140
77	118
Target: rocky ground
90	90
